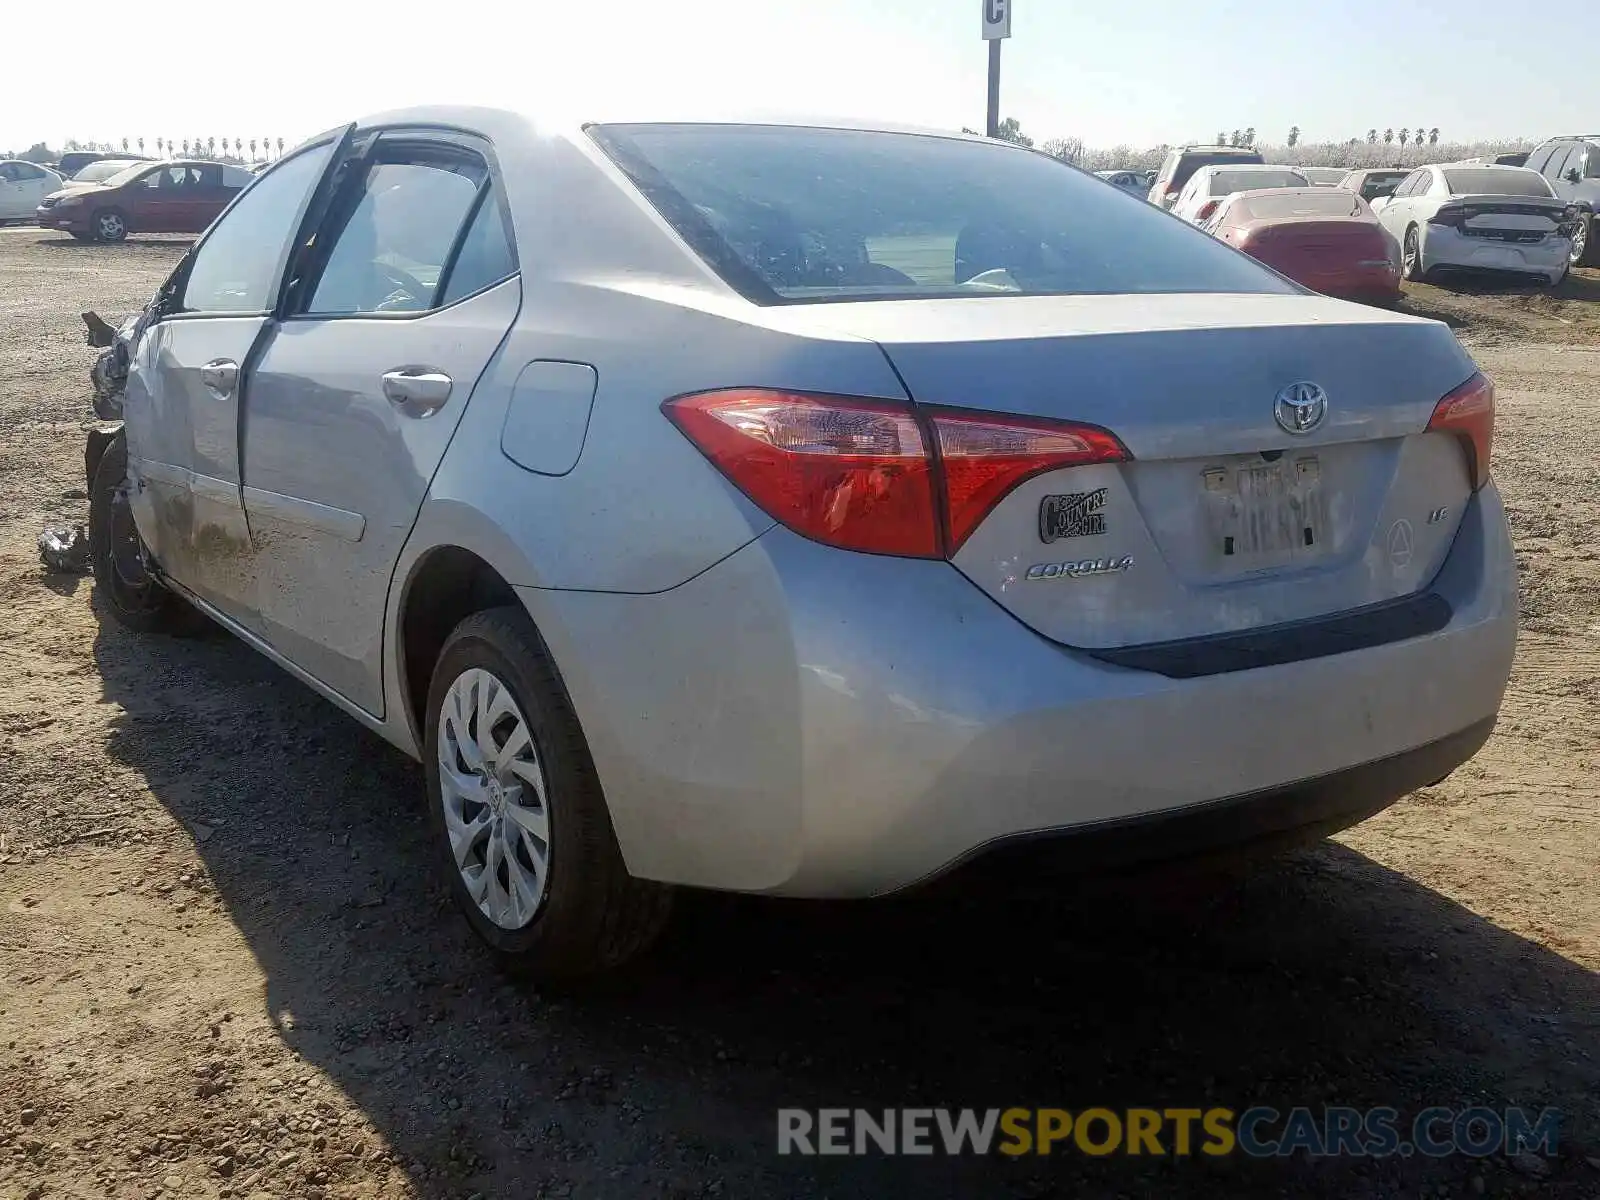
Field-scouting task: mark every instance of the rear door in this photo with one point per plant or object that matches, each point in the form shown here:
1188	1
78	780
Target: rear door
182	406
13	196
358	392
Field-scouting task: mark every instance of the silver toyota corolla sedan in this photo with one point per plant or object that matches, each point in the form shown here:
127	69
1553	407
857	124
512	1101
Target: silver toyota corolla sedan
804	509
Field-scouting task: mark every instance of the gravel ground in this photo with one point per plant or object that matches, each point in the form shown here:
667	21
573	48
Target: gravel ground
226	971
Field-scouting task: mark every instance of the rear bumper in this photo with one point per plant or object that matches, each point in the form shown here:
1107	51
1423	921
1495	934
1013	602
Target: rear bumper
803	721
1444	247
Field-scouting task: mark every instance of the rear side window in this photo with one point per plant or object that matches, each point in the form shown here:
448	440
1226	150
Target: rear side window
235	270
395	238
1540	158
788	214
1508	181
485	256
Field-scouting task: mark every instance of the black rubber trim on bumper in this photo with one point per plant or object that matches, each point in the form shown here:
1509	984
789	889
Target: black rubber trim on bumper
1294	641
1273	819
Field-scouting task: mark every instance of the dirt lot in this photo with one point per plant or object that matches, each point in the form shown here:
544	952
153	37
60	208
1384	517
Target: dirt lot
225	970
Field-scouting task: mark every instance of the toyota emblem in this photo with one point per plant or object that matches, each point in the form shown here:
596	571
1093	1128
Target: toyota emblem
1300	407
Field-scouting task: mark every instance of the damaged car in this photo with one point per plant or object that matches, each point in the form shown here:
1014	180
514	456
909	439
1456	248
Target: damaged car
806	510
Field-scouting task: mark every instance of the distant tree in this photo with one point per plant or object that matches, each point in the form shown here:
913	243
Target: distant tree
1222	138
161	145
1404	134
186	146
252	149
1294	135
1011	131
1066	149
39	153
140	143
1388	137
1372	137
211	145
280	147
124	145
1433	136
1250	136
1233	138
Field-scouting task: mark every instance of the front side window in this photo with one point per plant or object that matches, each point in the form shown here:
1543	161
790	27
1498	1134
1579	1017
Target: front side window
788	214
391	249
235	270
8	172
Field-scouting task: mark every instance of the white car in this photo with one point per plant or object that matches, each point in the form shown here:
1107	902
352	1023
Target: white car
1324	176
1479	217
22	186
1135	183
1209	186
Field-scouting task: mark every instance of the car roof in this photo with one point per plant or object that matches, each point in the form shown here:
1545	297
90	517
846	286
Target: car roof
1215	167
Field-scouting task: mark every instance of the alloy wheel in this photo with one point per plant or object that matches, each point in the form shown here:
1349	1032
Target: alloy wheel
111	226
1580	242
492	787
1410	253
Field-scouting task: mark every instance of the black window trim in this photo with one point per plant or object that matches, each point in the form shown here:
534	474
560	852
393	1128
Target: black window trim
352	185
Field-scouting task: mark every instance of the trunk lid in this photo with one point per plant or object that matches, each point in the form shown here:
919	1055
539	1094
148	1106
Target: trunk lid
1223	520
1502	218
1317	245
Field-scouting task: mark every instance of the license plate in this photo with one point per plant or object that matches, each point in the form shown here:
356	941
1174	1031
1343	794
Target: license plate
1265	513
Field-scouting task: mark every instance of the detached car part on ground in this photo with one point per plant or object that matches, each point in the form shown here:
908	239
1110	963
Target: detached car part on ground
697	521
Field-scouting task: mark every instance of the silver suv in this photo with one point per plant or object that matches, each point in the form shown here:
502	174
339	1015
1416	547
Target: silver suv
804	509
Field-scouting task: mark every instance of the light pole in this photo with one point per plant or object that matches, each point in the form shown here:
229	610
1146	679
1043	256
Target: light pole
996	28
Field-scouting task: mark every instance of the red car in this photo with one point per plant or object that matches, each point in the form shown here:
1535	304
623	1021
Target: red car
160	197
1326	239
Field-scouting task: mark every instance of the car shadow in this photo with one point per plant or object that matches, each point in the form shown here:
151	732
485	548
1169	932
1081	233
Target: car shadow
67	242
1324	979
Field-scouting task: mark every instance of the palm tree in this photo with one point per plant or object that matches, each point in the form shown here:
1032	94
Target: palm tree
140	142
1222	139
1388	137
211	146
1234	140
1250	136
1372	137
124	145
252	149
186	146
160	145
1294	135
1433	136
1404	134
266	147
280	147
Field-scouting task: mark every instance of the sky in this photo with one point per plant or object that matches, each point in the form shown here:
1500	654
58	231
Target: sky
1139	72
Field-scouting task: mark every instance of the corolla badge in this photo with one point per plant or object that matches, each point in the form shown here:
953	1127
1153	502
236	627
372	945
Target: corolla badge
1079	568
1300	407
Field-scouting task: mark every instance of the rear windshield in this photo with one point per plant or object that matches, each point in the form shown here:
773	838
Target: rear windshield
1324	202
1188	164
1224	183
787	213
1484	181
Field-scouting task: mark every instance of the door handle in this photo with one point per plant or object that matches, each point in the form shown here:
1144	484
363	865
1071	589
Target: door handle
417	391
220	375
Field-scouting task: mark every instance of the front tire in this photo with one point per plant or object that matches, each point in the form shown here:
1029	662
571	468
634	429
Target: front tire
519	820
109	225
1584	251
123	581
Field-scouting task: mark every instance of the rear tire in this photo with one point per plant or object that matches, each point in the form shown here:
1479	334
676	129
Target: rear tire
524	837
123	581
1411	257
109	225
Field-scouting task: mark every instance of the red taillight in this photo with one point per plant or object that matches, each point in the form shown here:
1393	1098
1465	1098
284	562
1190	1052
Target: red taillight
1206	209
1468	412
848	472
860	474
983	457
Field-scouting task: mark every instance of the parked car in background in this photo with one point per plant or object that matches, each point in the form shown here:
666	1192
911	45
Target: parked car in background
1506	220
1324	238
1181	164
1373	183
1133	182
754	576
22	185
1206	188
165	197
1324	176
101	170
74	161
1571	165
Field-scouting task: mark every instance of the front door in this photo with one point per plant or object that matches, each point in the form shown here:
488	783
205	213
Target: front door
358	392
185	385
